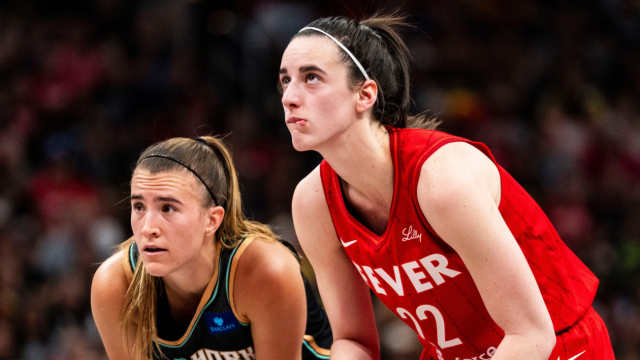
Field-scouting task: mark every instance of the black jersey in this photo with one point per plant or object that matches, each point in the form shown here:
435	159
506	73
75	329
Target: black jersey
215	331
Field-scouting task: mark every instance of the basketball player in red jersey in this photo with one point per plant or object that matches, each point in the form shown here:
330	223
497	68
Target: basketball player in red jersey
442	234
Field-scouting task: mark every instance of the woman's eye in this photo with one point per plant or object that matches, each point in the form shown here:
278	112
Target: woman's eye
137	207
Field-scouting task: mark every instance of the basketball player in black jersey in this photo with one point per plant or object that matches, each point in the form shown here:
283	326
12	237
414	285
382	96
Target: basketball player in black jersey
198	280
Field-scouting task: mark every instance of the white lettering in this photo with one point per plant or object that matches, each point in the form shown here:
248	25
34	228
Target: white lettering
443	343
396	282
230	355
361	273
422	274
247	354
212	355
410	233
374	280
403	313
208	354
491	350
416	276
440	267
199	355
421	310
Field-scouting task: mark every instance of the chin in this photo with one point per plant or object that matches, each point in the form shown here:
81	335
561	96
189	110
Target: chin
300	145
156	270
303	142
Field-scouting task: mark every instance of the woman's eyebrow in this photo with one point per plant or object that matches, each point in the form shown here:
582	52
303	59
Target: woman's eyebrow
158	198
303	69
168	199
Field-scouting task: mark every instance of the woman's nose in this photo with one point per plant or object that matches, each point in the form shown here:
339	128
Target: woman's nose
150	225
291	96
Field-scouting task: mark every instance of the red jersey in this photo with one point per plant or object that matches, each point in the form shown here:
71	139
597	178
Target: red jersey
424	281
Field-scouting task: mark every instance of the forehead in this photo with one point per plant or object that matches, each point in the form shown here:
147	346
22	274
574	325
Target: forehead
310	49
176	182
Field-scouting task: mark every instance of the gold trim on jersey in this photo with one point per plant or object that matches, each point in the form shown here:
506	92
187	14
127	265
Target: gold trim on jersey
320	350
232	277
206	296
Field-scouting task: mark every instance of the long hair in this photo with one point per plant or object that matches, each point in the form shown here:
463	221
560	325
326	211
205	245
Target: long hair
209	158
377	44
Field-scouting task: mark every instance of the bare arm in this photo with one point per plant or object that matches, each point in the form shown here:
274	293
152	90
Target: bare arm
269	293
459	192
345	296
108	288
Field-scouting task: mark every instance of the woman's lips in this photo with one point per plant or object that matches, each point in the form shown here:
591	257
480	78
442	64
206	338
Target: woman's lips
153	250
296	120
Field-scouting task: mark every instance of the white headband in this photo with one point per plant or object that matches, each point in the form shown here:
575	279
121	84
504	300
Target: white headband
355	61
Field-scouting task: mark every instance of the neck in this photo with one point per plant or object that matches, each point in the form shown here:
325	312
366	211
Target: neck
185	288
362	158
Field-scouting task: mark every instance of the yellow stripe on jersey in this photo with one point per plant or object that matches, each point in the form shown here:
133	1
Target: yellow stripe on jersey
232	277
204	300
309	340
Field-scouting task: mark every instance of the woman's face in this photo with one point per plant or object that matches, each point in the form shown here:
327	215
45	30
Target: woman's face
318	102
171	227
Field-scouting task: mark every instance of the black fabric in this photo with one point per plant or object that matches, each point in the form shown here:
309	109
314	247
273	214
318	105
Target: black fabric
217	330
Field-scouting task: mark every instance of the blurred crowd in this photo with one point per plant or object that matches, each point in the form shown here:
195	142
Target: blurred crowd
552	87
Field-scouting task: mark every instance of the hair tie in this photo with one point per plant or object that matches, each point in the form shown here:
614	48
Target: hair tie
371	30
201	140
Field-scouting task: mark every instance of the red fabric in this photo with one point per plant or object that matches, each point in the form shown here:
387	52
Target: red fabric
586	340
419	277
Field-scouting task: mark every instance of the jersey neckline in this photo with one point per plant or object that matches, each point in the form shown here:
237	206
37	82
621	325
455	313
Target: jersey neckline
375	239
208	296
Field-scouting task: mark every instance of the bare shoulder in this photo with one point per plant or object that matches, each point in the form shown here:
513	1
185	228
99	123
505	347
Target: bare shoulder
266	269
110	279
265	261
455	171
108	288
269	294
308	196
310	211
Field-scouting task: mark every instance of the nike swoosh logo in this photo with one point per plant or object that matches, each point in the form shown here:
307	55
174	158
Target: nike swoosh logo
348	243
574	357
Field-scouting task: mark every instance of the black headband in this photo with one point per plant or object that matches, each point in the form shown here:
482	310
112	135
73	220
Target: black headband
218	152
201	140
188	168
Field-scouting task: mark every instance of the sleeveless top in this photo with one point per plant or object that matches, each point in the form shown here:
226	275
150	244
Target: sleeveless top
423	280
216	332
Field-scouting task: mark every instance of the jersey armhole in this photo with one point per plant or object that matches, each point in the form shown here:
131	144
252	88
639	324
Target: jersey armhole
231	277
415	172
415	178
128	261
318	351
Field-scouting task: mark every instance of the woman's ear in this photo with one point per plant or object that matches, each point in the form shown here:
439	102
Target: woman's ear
367	96
215	216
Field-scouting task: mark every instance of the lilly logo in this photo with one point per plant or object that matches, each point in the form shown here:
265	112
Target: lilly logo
409	233
220	322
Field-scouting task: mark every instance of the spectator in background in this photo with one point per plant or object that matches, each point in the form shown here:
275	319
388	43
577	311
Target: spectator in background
513	63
